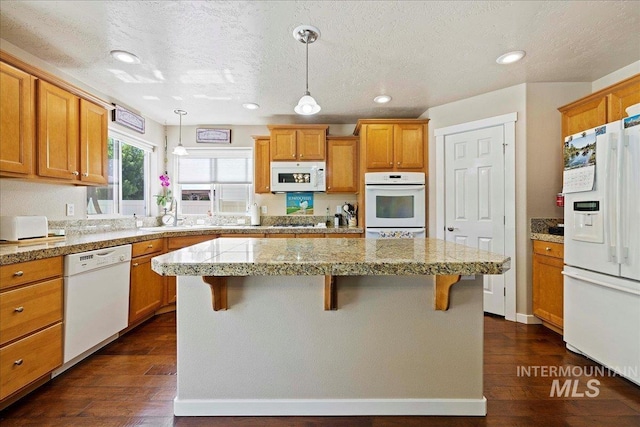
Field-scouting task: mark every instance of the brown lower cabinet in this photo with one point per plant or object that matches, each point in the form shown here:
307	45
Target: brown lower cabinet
147	289
548	262
31	310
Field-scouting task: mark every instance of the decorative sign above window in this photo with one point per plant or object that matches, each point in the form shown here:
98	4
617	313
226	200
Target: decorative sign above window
218	136
127	118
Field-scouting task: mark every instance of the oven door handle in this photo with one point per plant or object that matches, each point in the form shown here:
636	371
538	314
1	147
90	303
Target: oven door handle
395	187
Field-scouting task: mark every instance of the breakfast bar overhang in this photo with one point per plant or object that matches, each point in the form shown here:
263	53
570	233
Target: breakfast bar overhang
329	326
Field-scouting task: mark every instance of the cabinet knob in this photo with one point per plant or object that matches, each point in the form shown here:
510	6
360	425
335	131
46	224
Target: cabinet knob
18	362
85	174
547	248
293	155
19	309
150	246
135	264
390	163
76	173
19	273
398	163
301	155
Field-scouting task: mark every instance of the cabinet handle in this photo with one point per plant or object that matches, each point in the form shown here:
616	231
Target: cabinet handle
85	174
150	246
18	362
135	264
19	273
76	173
19	309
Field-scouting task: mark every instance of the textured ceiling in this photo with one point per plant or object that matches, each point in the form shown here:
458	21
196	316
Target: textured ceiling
210	57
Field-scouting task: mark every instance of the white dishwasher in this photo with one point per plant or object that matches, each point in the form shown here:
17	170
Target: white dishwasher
96	301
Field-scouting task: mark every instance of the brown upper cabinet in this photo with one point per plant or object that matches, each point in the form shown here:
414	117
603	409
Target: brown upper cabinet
72	137
606	105
261	166
300	142
17	90
342	164
50	129
393	144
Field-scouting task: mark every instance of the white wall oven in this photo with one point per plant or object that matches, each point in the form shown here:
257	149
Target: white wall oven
298	176
395	204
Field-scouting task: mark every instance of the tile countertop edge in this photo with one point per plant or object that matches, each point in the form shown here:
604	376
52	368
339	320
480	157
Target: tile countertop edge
544	237
12	254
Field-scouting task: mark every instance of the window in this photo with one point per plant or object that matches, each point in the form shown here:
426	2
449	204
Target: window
127	192
216	181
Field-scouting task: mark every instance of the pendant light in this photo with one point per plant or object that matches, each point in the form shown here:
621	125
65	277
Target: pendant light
180	150
306	34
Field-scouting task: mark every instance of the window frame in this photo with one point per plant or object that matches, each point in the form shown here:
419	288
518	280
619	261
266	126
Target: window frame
149	157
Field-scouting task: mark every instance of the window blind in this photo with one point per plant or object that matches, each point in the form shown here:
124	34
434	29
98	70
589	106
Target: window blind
221	166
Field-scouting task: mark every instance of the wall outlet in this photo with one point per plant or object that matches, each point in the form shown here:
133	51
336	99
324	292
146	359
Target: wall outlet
71	211
139	223
263	210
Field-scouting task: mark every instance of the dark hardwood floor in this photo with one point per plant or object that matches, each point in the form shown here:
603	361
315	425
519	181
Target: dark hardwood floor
132	382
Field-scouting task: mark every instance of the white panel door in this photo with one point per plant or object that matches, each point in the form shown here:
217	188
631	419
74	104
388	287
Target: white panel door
474	199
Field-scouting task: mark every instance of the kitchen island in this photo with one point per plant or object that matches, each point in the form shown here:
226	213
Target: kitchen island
329	326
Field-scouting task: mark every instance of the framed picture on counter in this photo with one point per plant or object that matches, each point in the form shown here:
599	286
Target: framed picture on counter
215	136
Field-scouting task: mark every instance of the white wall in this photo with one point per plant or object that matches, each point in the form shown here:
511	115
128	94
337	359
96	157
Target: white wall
538	156
616	76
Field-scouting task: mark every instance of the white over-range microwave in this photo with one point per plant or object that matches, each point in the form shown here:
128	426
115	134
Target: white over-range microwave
298	176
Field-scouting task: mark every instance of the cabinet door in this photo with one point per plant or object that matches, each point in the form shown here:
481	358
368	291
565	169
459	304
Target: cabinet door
146	289
623	97
409	146
283	144
378	140
584	116
93	143
548	289
17	120
342	166
57	132
261	166
311	144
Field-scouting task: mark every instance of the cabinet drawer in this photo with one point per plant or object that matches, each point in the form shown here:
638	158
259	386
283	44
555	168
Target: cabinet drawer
146	247
184	241
30	308
30	358
555	250
30	271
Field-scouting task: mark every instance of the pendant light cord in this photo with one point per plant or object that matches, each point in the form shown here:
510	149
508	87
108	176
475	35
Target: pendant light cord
306	42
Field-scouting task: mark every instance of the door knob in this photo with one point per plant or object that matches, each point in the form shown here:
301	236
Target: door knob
451	228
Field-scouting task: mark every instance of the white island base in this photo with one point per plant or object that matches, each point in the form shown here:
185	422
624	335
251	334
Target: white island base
276	351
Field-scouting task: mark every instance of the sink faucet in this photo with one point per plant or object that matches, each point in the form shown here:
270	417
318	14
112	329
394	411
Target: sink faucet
174	208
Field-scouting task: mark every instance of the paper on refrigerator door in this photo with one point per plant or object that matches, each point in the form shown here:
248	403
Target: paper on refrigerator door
580	161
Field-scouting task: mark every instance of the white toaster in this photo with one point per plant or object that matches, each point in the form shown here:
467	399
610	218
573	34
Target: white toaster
20	227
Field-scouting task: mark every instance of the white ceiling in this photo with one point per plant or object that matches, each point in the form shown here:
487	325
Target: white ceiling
217	55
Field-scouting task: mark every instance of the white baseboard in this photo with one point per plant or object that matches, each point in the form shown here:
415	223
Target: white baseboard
329	407
528	319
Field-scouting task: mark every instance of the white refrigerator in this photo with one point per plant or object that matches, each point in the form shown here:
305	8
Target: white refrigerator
602	247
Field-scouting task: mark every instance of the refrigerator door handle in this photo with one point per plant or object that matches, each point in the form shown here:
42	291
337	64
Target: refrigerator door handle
600	283
610	198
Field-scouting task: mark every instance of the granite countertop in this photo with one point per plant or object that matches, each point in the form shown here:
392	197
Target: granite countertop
337	257
11	254
545	237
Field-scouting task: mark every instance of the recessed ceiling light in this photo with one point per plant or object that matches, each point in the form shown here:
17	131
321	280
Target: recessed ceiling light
382	99
511	57
251	106
124	56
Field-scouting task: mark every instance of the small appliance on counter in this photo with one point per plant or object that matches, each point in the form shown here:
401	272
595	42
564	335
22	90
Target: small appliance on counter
20	227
